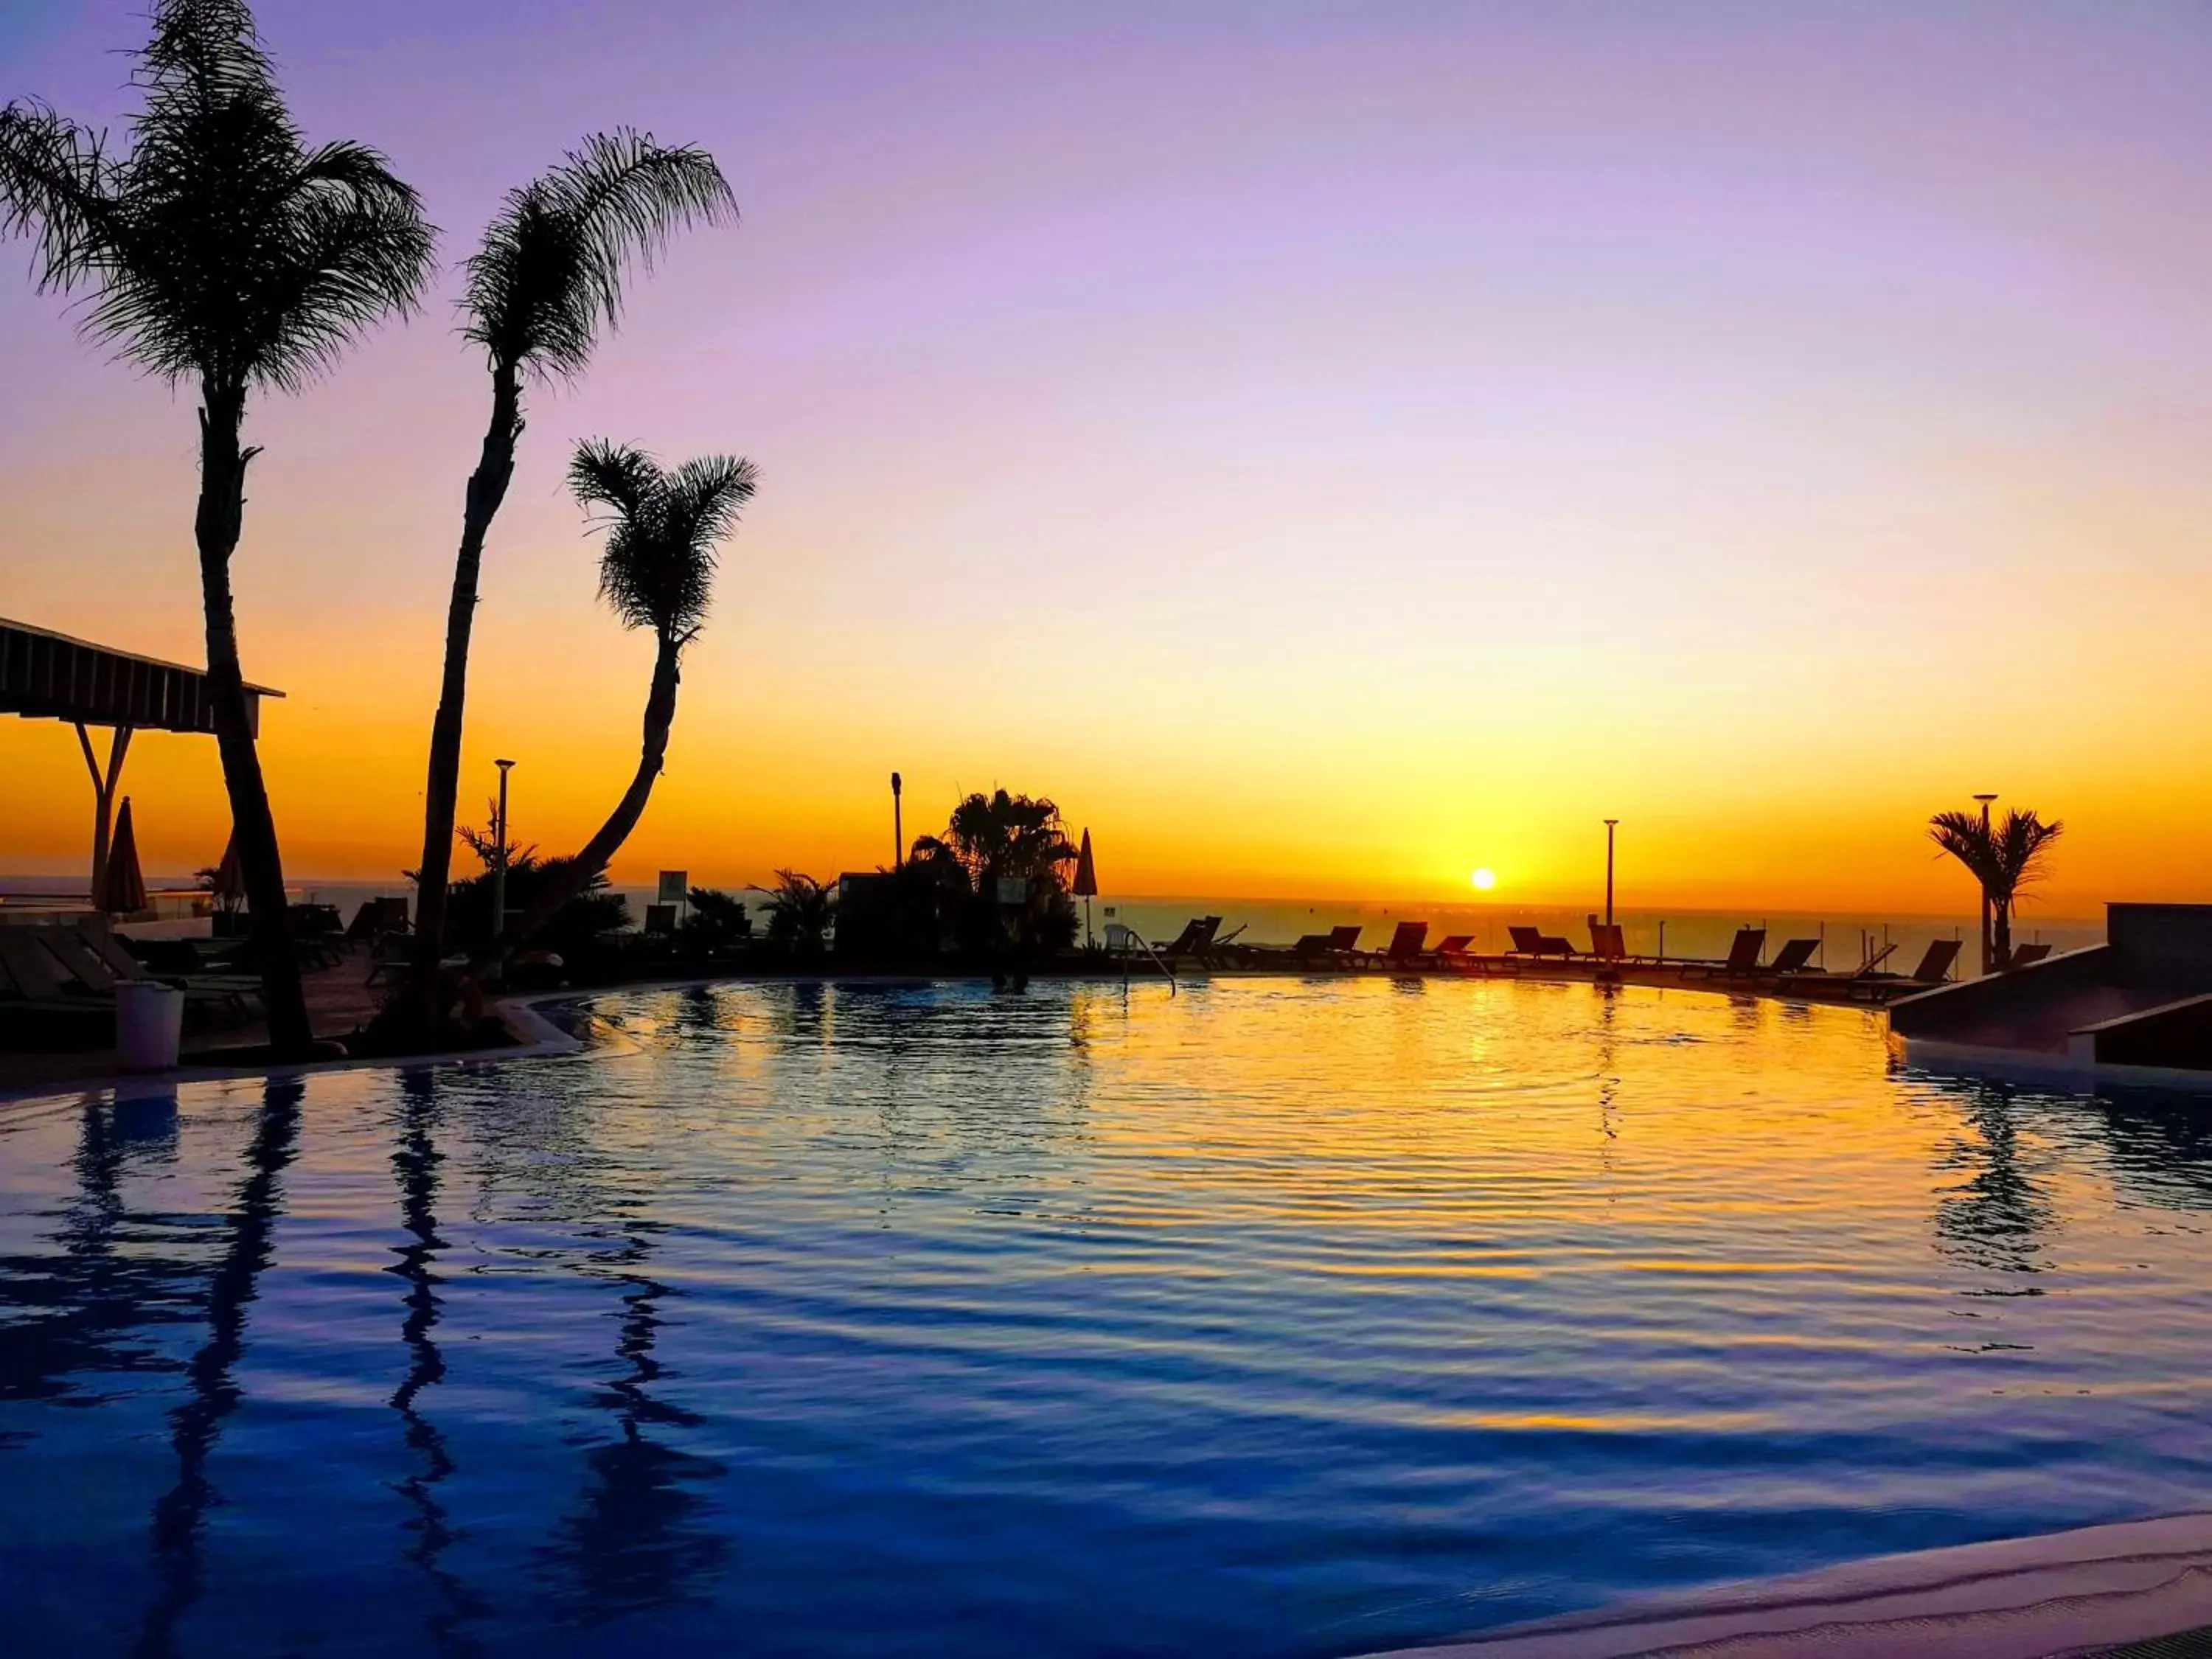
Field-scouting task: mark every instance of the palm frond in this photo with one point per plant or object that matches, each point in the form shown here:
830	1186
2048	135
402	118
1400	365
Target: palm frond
549	273
657	570
707	495
2003	856
2024	841
618	476
200	47
54	187
220	248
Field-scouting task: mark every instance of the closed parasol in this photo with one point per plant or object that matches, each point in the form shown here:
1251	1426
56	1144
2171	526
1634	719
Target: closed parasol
125	885
1087	882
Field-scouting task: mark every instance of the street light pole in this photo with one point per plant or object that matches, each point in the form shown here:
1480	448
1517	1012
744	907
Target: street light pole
498	841
1609	823
1988	945
898	826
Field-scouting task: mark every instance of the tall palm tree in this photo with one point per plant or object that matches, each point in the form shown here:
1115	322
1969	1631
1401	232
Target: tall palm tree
657	571
547	279
2003	857
220	251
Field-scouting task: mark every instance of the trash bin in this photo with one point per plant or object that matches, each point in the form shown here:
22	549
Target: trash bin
150	1020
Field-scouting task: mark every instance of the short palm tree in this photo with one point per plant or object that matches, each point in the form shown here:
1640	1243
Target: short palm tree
1001	835
657	571
2003	857
220	252
548	278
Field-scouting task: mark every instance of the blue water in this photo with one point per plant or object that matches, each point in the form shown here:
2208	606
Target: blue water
1277	1318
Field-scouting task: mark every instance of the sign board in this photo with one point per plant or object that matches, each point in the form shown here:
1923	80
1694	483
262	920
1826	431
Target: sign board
674	884
1013	890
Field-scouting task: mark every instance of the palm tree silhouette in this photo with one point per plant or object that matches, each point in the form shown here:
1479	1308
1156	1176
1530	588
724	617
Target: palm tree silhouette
657	571
2003	857
220	250
548	277
180	1514
1001	835
637	1539
416	1161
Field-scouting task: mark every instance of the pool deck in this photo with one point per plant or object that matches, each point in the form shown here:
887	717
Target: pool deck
2085	1592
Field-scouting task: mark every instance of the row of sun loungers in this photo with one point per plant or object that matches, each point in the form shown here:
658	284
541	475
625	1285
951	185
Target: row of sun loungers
1202	944
58	986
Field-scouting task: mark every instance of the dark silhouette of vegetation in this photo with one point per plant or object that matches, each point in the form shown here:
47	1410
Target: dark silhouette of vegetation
1001	837
2003	857
657	571
799	912
548	278
221	251
717	920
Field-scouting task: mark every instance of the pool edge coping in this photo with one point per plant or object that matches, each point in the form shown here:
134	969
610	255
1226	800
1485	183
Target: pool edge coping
541	1039
2079	1590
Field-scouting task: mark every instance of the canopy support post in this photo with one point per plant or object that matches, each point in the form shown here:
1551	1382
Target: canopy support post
103	794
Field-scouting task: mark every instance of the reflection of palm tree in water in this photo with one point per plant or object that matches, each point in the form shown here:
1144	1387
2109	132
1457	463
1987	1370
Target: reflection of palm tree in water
1994	1219
415	1162
635	1541
180	1513
78	1315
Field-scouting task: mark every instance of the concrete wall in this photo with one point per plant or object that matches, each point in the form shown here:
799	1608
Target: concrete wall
2165	943
2026	1001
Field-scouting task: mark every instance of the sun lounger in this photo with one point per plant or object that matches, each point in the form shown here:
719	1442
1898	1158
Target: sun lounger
1936	967
1453	949
97	963
31	1021
1742	960
1795	956
1608	943
377	916
1872	966
1195	941
395	954
37	972
1530	942
1404	949
2027	955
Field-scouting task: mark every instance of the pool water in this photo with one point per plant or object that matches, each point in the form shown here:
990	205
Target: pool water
1270	1318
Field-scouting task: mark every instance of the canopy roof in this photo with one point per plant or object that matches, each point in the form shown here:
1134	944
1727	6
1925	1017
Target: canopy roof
49	676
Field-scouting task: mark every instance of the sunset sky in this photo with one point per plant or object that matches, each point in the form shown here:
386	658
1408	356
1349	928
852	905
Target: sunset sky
1327	447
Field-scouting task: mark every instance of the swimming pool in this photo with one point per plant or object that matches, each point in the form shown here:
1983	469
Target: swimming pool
1276	1317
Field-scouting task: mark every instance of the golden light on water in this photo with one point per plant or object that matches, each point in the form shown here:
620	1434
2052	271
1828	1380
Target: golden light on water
1484	879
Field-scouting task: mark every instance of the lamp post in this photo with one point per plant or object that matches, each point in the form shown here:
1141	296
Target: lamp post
898	826
1609	823
1989	945
498	841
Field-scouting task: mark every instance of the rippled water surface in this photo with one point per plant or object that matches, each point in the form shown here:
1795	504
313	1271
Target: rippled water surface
1281	1318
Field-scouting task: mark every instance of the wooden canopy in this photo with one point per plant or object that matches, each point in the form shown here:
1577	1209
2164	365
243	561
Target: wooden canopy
49	676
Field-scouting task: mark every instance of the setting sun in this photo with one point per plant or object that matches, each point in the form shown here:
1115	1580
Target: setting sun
1484	879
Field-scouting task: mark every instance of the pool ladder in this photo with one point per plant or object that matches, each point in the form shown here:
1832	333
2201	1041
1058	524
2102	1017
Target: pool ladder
1125	942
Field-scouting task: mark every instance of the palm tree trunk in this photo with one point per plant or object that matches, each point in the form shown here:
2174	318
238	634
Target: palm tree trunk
2001	916
574	878
216	527
487	490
